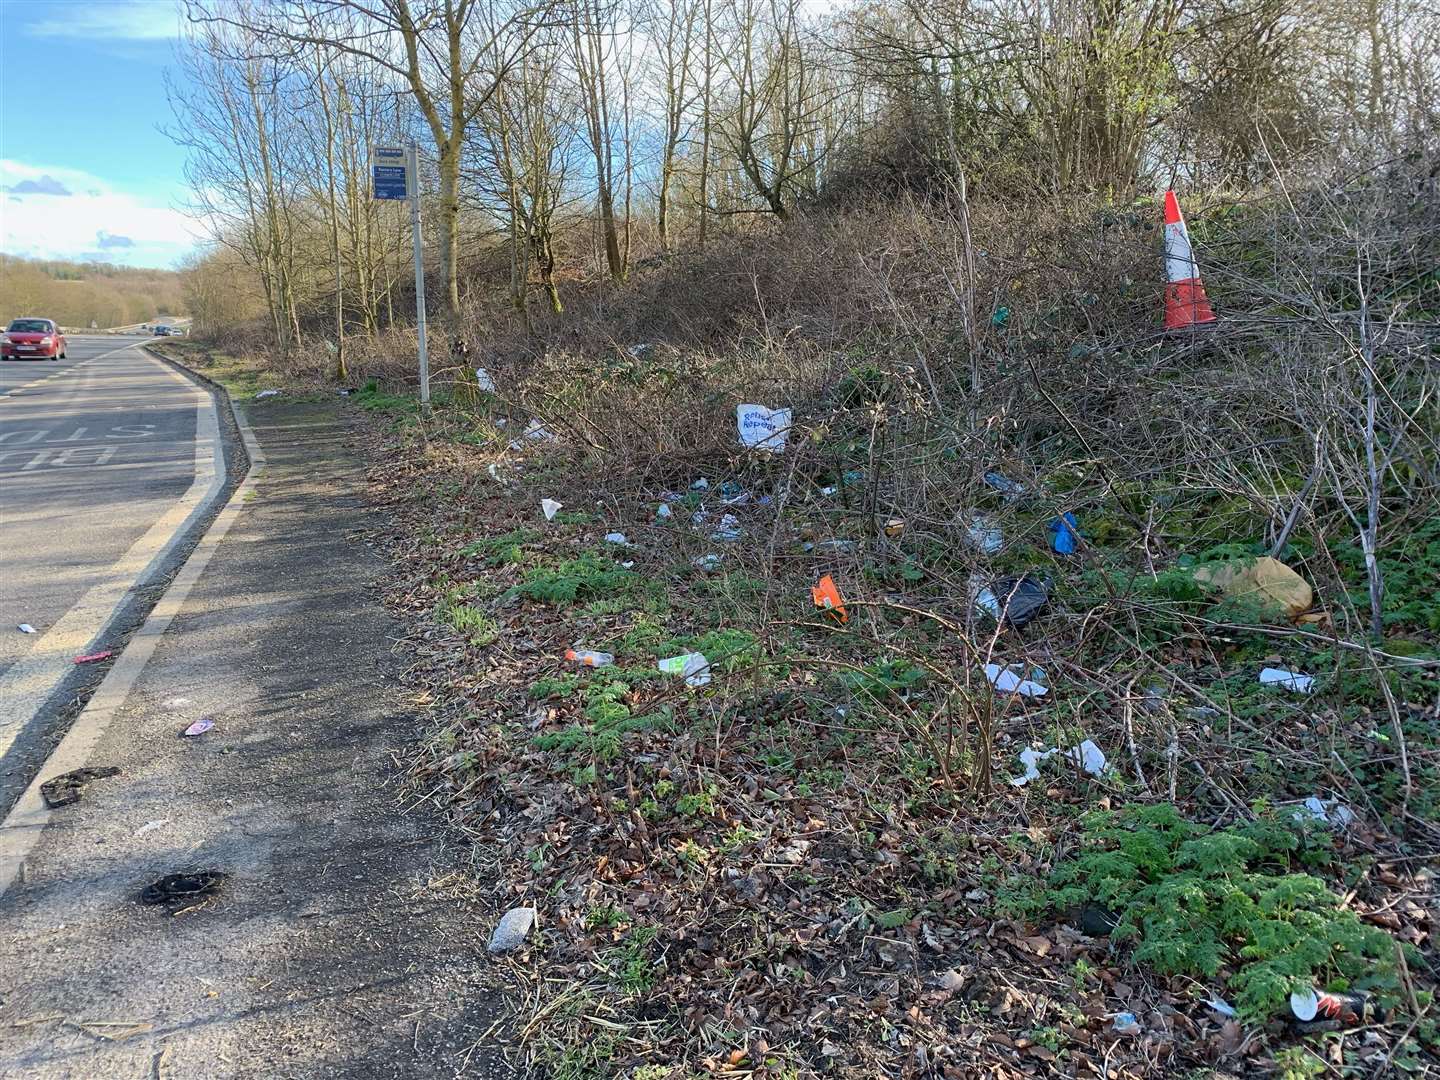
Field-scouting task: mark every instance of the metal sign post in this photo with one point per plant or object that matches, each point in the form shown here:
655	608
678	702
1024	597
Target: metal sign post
395	173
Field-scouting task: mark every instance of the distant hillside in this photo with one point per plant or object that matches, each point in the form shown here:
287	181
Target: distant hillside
79	294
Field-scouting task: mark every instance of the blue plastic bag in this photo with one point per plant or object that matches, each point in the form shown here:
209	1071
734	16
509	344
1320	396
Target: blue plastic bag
1067	534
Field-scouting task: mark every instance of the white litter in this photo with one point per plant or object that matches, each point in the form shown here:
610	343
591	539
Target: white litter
1087	755
26	628
693	666
708	563
1220	1005
551	508
629	564
761	428
267	393
700	485
151	826
484	381
617	538
664	511
1333	812
1011	489
1007	682
988	602
1126	1024
637	352
728	528
985	535
534	432
1305	1004
1291	680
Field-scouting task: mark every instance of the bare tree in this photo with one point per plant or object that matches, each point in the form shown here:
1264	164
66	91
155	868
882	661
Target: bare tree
451	54
674	29
596	32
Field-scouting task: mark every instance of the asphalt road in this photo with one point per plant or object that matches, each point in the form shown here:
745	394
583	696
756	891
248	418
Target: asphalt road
341	942
100	470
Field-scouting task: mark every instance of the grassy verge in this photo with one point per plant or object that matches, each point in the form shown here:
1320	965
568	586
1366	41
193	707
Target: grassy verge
820	862
815	864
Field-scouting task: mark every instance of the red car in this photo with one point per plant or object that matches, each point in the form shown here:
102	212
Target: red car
32	339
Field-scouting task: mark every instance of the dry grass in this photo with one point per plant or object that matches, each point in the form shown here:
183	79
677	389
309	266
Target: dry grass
799	867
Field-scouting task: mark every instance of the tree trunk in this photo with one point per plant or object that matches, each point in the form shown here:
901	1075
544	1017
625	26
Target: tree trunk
450	224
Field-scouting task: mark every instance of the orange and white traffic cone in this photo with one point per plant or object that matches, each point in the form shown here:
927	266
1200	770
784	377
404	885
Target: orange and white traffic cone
1185	302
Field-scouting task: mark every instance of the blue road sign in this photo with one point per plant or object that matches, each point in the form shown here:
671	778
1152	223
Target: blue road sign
389	181
388	173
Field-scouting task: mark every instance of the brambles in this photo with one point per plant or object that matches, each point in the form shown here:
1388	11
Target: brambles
827	823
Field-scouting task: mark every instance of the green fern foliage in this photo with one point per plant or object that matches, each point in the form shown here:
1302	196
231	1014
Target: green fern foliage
1222	905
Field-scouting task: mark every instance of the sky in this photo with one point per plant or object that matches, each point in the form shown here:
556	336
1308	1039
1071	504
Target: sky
85	171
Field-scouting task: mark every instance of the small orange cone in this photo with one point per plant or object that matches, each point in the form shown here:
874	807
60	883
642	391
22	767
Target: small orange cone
1185	302
827	596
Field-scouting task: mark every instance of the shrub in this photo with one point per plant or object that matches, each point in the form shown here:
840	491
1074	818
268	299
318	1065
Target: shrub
1208	903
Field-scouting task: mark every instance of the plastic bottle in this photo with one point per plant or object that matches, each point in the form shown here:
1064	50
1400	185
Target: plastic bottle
589	657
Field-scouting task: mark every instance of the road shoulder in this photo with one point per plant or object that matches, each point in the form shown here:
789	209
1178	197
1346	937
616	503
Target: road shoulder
335	946
43	692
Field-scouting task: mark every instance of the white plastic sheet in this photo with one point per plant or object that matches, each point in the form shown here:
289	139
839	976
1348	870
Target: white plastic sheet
1290	680
1007	682
762	428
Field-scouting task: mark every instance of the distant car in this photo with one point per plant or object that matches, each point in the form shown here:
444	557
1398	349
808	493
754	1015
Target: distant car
32	339
162	331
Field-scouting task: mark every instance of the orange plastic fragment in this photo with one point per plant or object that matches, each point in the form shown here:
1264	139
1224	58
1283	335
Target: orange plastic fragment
827	596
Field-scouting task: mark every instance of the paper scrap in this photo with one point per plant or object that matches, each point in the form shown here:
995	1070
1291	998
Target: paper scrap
1333	812
1007	682
1087	755
26	628
550	508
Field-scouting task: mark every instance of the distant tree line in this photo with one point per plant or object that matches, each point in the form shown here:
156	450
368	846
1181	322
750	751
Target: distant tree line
79	294
569	138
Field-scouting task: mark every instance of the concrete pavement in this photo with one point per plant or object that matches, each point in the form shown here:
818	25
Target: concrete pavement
339	944
108	460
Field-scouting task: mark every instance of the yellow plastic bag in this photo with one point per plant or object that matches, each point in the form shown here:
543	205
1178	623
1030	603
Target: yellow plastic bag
1266	581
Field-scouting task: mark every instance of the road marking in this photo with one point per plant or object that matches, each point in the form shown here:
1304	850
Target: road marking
66	371
30	681
22	828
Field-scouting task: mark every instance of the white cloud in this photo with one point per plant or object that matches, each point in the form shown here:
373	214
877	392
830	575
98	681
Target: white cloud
134	20
94	222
